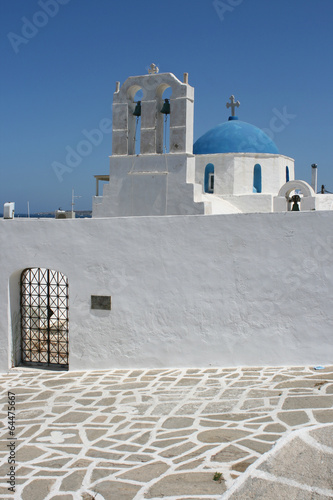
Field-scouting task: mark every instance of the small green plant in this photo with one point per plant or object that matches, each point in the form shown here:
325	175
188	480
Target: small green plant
217	477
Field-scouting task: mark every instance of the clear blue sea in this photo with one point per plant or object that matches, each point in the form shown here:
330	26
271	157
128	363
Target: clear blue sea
49	215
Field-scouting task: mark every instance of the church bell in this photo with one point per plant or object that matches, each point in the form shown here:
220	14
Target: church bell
137	111
295	199
166	107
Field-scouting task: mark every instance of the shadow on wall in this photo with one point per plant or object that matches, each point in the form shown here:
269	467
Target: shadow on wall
14	323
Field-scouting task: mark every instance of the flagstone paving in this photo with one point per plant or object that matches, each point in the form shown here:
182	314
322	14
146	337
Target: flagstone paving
174	434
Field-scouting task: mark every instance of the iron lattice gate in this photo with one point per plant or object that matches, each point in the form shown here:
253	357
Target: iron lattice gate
44	317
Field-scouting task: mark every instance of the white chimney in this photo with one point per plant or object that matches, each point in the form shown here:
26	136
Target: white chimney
314	177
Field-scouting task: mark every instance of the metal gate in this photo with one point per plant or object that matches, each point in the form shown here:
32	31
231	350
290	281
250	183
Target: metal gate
44	317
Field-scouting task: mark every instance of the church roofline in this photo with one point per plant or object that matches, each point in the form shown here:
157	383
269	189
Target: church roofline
247	155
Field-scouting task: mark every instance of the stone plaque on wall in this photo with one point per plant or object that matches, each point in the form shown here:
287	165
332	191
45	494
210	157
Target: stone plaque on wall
102	302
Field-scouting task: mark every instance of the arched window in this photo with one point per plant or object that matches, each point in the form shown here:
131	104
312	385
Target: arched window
287	174
209	178
257	178
166	109
137	116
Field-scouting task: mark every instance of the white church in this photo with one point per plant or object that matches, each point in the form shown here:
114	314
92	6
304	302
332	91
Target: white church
233	168
210	254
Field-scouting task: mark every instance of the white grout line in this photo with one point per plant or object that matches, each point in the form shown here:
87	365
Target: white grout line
290	482
253	471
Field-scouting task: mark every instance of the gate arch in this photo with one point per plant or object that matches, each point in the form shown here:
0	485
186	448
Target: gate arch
44	317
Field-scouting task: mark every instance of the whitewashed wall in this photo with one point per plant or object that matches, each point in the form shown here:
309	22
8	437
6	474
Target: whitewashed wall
220	290
144	185
234	172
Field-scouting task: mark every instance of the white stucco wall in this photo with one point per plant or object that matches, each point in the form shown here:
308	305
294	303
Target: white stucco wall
233	172
154	184
221	290
251	203
324	201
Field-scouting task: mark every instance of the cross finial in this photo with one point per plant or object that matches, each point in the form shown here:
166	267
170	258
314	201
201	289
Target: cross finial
233	105
153	69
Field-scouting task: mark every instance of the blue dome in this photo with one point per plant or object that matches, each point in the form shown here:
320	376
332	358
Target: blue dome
234	136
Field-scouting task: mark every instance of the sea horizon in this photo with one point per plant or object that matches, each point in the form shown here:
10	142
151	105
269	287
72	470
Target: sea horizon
79	214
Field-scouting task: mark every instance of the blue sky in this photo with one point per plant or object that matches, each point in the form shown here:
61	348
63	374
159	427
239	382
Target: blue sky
59	77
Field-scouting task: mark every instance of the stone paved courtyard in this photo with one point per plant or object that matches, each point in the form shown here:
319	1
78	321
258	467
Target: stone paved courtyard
151	434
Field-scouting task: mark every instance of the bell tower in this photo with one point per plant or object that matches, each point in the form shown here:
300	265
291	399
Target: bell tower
147	177
153	86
